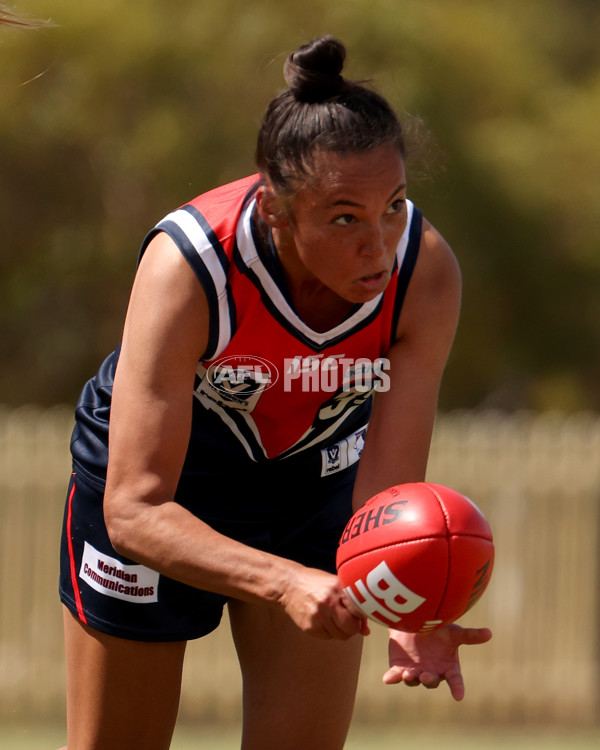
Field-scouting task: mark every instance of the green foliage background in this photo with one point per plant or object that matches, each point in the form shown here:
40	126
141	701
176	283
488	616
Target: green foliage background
124	110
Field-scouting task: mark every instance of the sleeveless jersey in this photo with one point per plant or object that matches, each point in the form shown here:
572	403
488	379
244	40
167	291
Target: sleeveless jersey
268	387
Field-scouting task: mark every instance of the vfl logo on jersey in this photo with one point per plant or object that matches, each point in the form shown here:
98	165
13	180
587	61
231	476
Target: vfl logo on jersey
238	381
332	458
338	457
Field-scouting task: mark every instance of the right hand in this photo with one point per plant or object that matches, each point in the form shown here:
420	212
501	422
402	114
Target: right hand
316	602
427	659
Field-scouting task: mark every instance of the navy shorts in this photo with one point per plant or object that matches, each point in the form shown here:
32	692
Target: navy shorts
295	518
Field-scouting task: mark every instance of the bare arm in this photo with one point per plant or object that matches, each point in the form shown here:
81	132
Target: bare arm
399	435
165	334
398	439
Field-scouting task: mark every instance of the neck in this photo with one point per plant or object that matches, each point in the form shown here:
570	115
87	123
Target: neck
314	302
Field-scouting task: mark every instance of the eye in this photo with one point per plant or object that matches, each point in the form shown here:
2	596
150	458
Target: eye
395	207
344	220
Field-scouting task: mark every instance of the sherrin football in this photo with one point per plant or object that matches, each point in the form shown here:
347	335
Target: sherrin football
416	556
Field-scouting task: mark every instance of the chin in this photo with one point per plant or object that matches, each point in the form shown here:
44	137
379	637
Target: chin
365	292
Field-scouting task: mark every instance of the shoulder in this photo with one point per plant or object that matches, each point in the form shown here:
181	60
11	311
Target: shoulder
438	265
167	306
208	211
433	297
221	200
437	273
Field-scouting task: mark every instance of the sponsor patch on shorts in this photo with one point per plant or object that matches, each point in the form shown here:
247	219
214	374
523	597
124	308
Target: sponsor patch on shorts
340	456
109	576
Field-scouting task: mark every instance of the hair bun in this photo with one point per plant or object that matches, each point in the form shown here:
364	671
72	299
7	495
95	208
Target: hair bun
313	71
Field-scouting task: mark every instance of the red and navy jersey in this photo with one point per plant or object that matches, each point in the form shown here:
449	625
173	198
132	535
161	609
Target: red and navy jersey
278	385
268	387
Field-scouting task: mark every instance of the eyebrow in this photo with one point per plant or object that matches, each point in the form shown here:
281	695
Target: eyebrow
343	202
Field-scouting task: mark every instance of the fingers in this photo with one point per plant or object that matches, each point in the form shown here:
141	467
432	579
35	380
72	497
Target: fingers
473	636
335	617
456	683
411	677
394	675
347	628
350	606
335	623
407	675
314	600
429	680
356	614
430	660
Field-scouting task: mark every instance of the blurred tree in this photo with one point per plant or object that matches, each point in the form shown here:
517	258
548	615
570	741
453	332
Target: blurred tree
124	111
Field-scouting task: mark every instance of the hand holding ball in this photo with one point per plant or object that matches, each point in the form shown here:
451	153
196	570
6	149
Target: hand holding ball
416	556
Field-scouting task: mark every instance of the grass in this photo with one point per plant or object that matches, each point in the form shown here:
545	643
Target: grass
361	738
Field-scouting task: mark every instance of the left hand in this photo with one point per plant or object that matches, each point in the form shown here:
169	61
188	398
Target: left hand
428	659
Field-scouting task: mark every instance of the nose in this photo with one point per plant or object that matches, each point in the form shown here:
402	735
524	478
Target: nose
373	242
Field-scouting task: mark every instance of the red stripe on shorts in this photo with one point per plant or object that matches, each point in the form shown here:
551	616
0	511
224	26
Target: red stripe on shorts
78	601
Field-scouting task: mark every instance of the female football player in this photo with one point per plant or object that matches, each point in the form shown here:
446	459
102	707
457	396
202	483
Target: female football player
275	325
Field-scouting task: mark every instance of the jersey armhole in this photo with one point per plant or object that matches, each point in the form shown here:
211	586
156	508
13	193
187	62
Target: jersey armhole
406	269
202	274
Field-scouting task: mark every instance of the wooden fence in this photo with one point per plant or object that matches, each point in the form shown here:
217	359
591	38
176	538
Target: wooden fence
537	478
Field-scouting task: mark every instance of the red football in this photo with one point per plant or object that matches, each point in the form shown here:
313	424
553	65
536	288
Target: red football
416	556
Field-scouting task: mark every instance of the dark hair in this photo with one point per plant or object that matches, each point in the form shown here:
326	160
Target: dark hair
321	110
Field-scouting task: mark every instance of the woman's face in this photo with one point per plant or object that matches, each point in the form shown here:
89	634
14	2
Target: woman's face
344	226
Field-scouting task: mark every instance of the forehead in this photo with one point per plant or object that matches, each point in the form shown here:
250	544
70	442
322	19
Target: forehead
338	175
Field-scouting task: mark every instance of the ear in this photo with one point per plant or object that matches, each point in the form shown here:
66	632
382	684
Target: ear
270	207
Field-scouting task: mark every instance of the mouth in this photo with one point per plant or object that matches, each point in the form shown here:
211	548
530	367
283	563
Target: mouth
372	281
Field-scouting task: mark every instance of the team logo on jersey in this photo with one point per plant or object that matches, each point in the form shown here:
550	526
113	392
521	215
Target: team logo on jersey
241	379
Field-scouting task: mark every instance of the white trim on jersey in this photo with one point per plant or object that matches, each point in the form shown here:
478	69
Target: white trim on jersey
251	258
254	452
239	420
403	244
303	443
208	257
